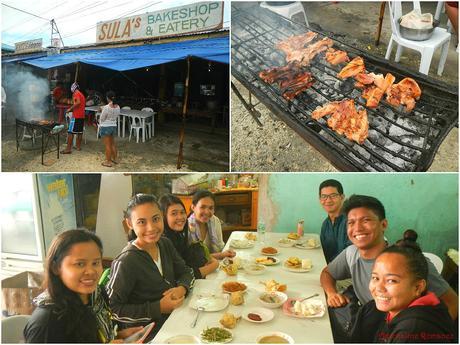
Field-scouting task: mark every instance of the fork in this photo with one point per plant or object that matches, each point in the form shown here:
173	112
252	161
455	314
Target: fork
200	309
304	299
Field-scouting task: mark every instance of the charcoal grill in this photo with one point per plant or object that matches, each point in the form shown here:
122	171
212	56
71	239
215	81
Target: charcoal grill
49	135
397	141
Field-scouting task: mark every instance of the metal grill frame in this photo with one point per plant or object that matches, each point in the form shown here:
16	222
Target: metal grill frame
47	137
308	129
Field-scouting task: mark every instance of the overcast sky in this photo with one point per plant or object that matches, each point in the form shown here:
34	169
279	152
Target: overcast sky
77	19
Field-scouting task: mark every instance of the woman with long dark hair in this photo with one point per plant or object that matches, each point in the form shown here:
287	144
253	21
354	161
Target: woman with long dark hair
148	278
205	227
73	309
176	229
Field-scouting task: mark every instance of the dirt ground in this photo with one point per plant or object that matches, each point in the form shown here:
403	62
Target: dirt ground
203	151
274	146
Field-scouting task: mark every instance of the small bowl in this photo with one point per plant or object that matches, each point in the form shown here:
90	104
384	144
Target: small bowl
183	339
281	295
271	337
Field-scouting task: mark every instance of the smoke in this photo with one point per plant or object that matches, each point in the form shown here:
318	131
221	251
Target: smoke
28	95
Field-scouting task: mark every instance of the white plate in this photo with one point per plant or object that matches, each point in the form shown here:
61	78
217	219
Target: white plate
248	269
183	339
277	261
286	242
265	314
285	336
210	302
214	342
297	270
288	309
241	244
304	245
266	254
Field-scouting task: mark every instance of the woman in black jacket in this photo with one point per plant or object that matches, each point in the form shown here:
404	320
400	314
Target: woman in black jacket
176	229
148	279
73	309
398	286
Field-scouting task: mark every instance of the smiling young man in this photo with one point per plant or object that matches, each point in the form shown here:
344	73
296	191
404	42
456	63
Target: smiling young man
333	236
366	224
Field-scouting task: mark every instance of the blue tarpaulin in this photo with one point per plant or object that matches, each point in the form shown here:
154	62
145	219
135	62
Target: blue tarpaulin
7	59
128	58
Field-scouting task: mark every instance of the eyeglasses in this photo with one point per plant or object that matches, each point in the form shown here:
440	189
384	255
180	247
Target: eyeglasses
329	196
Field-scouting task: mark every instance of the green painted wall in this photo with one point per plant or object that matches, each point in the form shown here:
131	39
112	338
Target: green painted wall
425	202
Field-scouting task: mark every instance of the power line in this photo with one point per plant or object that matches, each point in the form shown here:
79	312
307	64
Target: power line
18	9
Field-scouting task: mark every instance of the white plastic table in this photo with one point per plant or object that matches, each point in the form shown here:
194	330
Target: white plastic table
313	330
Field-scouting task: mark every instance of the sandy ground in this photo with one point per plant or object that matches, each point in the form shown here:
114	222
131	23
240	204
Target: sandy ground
203	151
276	147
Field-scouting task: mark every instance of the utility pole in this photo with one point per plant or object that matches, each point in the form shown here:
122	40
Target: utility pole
55	35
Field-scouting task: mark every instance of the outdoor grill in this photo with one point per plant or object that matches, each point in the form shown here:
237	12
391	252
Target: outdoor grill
397	141
48	131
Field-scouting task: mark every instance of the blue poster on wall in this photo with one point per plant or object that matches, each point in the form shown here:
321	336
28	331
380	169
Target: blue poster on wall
57	204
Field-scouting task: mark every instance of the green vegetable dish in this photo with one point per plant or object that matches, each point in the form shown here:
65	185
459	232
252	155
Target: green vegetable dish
216	335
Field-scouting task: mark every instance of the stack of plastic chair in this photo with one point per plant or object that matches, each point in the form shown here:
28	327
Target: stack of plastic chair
440	39
288	10
149	123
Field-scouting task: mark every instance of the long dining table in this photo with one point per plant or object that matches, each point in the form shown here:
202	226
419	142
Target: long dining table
299	285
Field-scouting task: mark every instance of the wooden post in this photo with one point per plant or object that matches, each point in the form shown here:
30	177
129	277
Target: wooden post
379	28
180	157
76	72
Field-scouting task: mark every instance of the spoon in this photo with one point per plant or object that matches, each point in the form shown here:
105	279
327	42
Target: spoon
200	309
304	299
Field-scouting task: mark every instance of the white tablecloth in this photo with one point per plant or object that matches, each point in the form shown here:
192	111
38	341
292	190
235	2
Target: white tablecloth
314	330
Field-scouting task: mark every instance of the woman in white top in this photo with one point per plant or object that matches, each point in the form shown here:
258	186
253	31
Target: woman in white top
108	129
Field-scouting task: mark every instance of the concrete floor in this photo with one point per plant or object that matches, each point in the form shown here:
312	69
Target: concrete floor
276	147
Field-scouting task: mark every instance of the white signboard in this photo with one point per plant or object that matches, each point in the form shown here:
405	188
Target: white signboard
201	16
28	46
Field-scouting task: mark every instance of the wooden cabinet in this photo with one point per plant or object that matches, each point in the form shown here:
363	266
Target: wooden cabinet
237	208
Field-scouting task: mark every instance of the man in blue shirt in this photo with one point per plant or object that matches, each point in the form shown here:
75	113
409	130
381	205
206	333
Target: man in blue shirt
333	236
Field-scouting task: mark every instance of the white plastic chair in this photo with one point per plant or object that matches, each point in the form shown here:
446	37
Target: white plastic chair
136	125
436	260
119	126
288	10
149	124
97	116
12	329
440	38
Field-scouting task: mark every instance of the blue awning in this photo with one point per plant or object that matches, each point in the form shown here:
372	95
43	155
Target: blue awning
128	58
7	59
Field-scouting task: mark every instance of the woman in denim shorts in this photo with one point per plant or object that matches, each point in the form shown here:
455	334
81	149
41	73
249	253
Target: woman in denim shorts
108	129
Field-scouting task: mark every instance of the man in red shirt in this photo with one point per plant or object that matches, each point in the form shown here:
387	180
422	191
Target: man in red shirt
78	117
58	92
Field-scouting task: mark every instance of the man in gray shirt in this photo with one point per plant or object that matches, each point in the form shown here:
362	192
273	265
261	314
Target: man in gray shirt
366	225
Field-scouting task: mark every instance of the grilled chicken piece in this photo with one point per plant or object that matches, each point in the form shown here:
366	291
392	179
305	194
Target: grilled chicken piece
304	56
291	78
296	42
334	56
405	92
364	78
374	93
345	119
353	68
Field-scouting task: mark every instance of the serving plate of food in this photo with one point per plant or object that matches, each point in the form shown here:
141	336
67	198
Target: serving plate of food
273	299
212	335
309	241
297	265
258	315
267	260
293	236
209	302
269	251
310	308
233	286
241	244
251	236
286	242
273	285
254	269
274	338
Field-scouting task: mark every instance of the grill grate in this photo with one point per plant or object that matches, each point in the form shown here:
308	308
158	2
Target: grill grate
397	141
49	135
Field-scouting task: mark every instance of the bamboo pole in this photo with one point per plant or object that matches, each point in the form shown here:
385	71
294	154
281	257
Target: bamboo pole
76	72
180	156
379	28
